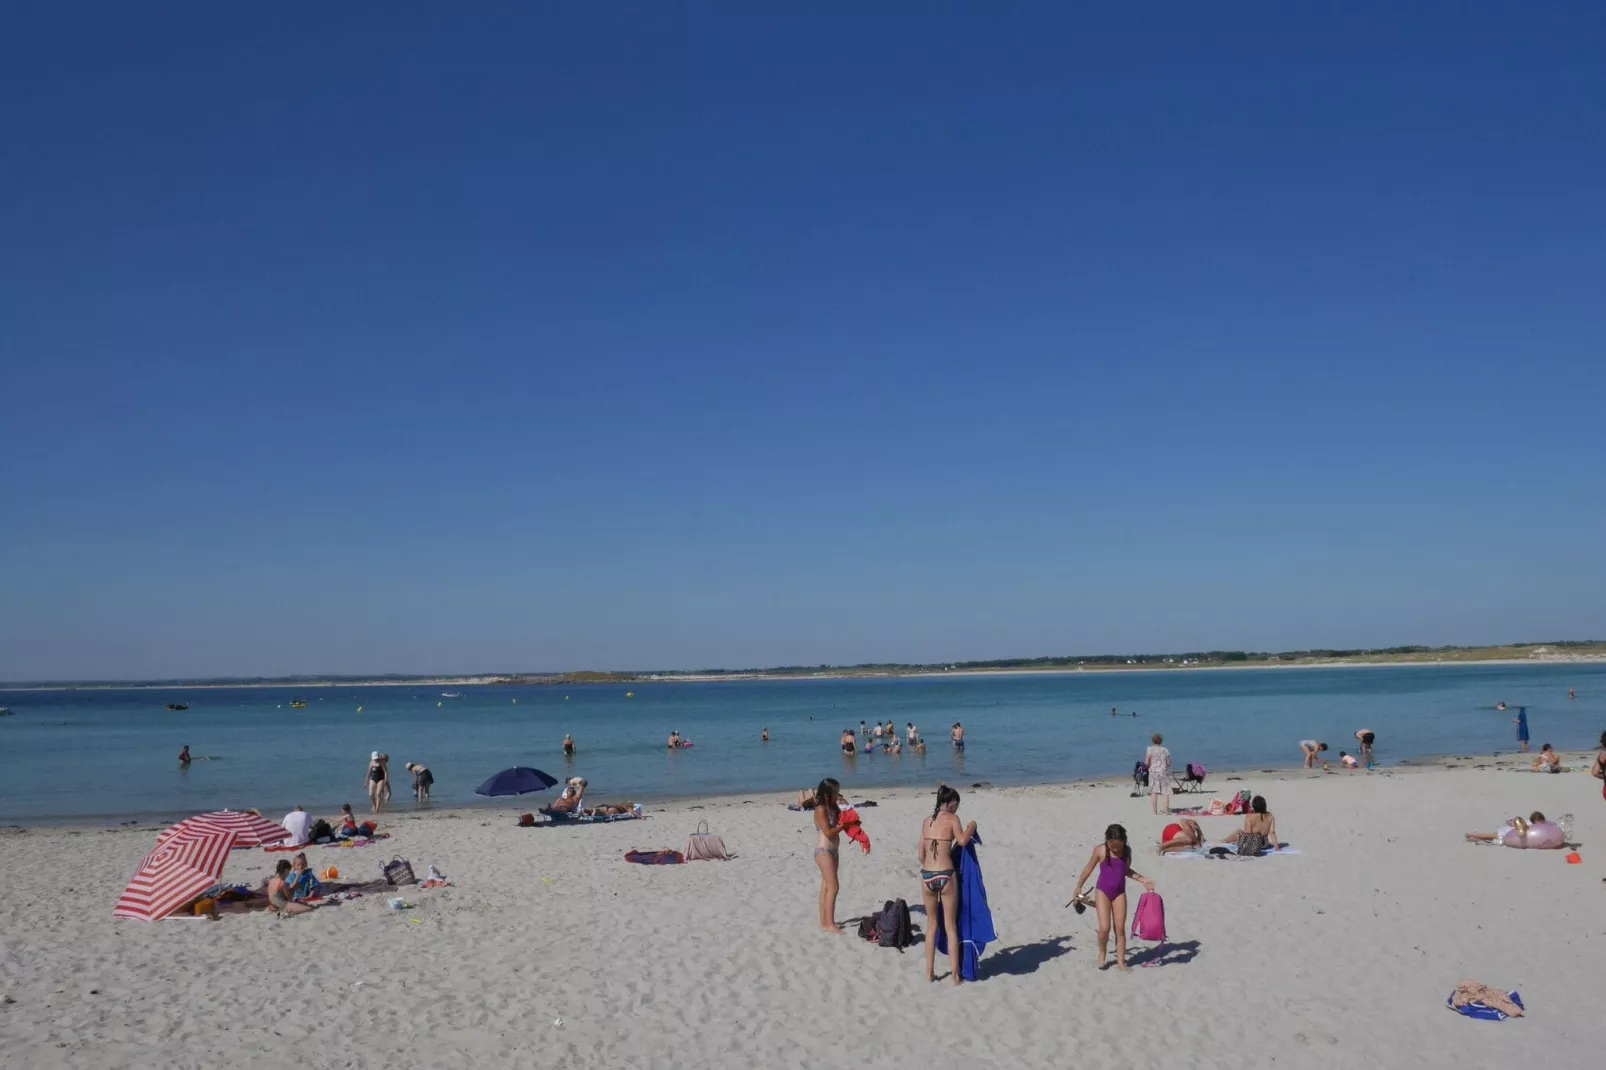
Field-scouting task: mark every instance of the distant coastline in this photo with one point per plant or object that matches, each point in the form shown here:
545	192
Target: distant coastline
1554	653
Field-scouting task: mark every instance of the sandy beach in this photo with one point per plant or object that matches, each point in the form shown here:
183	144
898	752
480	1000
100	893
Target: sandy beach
549	948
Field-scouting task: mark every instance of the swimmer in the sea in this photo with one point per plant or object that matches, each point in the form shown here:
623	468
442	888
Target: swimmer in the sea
764	736
674	738
184	755
568	745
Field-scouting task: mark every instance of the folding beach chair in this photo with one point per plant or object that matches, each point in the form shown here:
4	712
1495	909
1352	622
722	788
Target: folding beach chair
1190	780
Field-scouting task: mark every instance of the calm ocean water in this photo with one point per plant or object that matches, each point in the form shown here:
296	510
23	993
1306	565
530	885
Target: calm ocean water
88	755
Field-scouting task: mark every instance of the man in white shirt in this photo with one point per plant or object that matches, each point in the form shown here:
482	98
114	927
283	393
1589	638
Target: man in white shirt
299	824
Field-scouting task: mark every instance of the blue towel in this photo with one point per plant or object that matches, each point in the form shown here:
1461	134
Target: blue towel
975	918
1478	1010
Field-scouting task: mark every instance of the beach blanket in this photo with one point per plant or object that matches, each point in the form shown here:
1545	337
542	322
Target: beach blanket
975	917
1229	850
655	858
1483	1011
561	818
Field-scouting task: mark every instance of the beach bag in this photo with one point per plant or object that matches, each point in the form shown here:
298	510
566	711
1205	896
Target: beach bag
526	821
1239	804
704	846
867	926
1148	922
321	831
399	871
893	927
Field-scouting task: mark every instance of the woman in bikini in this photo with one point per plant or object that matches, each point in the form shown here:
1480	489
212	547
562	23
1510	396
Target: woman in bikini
1113	859
1259	831
826	817
1184	835
849	747
938	834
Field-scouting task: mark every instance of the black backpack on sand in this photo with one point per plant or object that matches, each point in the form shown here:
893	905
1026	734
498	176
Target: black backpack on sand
893	927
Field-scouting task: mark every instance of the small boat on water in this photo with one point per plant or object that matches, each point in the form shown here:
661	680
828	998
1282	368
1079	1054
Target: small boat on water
298	704
450	694
177	706
5	711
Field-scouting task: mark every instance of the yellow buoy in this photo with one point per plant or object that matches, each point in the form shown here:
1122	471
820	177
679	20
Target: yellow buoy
359	709
630	694
437	705
515	702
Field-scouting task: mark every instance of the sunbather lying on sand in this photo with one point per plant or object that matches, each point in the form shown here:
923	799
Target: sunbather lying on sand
1181	836
1514	824
610	809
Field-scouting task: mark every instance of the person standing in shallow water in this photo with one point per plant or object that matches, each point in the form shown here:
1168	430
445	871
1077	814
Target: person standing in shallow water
827	856
378	775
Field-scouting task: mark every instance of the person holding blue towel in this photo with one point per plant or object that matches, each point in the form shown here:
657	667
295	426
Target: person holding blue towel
939	835
1522	727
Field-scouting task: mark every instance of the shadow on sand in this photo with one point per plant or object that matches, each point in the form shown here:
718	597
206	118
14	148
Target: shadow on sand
1025	958
1164	954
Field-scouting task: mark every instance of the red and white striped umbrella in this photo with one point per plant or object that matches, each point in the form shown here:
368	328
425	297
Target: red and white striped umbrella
181	869
249	830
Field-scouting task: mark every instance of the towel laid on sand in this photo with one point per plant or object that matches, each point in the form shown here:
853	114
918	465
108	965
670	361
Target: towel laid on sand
655	858
1478	1000
1231	851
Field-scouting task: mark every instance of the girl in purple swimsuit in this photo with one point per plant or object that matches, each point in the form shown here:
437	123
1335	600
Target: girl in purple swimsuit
1114	861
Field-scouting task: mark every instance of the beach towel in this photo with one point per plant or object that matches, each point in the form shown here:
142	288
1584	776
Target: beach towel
1229	850
560	818
655	858
1471	991
975	917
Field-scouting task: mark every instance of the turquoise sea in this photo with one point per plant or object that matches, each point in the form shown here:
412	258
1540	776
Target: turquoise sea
108	755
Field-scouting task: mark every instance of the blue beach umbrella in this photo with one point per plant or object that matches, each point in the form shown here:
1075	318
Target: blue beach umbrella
520	780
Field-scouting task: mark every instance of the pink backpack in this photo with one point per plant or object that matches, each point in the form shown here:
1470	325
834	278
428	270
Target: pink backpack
1148	922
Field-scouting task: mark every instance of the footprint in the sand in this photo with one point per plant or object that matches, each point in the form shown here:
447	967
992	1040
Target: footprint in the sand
1320	1038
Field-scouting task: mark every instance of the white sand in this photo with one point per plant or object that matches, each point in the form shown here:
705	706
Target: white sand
1342	956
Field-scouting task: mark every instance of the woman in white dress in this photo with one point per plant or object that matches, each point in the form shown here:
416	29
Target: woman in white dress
1158	759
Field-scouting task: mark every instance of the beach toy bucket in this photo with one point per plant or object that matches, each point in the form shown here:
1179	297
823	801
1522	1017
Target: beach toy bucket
1574	860
330	874
398	904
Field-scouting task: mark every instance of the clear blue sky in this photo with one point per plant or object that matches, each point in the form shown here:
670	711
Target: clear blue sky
378	338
